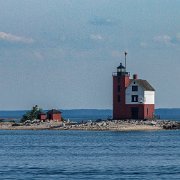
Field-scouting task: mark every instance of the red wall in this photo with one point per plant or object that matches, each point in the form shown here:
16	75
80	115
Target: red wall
119	108
143	112
139	106
149	111
42	116
56	117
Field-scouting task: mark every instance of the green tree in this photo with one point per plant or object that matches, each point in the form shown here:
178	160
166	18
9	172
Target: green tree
31	115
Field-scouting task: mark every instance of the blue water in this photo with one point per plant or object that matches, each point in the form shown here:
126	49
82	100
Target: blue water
49	154
93	114
74	114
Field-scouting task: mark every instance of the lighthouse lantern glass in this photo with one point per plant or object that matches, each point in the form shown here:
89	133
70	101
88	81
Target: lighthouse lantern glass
121	68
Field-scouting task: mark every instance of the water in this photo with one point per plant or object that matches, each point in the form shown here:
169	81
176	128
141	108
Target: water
92	114
89	155
171	113
51	154
74	114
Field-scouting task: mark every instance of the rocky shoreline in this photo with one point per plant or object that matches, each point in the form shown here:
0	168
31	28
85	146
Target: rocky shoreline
100	125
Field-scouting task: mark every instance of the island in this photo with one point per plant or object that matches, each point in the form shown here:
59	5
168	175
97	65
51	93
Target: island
37	119
99	125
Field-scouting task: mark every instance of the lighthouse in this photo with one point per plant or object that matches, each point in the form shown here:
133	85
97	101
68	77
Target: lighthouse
133	98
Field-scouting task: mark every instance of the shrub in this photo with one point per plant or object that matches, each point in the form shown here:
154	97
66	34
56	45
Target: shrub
32	114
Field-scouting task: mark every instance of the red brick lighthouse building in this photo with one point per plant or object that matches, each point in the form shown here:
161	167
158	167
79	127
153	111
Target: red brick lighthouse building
132	98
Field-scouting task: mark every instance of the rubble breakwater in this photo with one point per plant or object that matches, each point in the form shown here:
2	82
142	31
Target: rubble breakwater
99	125
125	125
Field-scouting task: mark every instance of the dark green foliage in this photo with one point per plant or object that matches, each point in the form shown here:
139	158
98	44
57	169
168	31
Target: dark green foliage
31	115
62	119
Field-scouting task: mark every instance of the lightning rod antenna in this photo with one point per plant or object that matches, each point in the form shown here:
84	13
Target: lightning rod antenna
125	53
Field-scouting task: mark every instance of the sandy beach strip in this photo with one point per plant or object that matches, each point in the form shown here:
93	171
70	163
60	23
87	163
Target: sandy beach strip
88	127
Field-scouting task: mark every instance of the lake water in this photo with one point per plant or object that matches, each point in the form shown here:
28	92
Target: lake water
52	154
48	154
73	115
93	114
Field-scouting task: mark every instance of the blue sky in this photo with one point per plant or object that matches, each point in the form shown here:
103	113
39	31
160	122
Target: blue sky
62	54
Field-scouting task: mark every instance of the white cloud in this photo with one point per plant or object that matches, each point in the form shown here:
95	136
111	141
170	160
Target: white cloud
13	38
164	39
96	37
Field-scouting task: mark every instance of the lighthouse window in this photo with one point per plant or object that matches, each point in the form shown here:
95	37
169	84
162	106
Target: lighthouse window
119	98
134	98
134	88
119	88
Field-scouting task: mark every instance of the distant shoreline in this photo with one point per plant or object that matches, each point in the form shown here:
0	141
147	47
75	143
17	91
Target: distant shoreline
87	114
103	125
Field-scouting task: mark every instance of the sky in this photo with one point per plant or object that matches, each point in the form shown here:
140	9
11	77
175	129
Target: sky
61	53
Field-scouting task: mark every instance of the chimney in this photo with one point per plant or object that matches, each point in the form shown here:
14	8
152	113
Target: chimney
135	76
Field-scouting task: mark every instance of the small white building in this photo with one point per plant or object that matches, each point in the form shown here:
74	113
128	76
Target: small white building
140	92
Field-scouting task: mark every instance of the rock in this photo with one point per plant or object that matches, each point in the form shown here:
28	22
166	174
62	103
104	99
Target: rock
15	124
153	123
